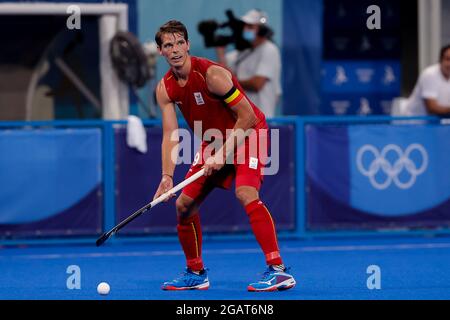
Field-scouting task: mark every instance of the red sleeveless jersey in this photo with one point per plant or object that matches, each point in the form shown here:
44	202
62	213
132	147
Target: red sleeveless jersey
197	103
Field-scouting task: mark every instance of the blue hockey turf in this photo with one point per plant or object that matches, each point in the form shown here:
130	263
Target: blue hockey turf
411	268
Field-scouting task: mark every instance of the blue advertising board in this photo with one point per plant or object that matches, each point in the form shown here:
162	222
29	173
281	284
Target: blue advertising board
377	176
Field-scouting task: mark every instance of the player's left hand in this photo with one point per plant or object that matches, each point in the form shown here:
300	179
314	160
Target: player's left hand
213	164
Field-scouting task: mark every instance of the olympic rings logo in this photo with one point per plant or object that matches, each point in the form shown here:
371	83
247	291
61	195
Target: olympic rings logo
392	170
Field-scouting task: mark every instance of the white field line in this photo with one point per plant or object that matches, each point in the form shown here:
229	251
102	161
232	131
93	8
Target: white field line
349	248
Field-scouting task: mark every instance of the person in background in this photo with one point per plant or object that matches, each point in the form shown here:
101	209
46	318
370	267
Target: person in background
258	68
431	95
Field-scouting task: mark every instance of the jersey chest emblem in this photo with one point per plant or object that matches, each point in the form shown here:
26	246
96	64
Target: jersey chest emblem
199	98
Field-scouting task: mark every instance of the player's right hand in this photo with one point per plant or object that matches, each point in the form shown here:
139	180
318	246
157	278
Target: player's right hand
165	185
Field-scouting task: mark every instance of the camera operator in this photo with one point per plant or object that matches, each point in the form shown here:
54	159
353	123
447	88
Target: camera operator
257	68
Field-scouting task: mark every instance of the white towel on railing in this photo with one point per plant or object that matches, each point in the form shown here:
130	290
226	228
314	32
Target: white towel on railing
136	135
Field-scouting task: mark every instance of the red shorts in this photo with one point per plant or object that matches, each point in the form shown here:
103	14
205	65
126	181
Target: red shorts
247	168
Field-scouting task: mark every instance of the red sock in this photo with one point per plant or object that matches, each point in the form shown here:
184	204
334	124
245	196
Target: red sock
190	235
264	229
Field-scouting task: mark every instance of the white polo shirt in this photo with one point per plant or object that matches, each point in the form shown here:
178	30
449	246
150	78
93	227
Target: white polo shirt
431	85
264	61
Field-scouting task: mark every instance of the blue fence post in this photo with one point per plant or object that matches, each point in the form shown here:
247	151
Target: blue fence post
109	176
300	176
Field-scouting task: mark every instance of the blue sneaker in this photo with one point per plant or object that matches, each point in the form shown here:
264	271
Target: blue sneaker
273	280
188	281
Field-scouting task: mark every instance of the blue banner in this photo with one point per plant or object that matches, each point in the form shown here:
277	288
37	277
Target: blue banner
360	87
399	170
48	173
357	104
361	77
377	176
361	68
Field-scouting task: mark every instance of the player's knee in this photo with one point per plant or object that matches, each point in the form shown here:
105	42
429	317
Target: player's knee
184	205
245	195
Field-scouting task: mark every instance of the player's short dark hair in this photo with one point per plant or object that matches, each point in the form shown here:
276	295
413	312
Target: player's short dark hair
443	51
172	26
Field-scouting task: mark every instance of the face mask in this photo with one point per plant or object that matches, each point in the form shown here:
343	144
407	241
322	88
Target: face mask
248	35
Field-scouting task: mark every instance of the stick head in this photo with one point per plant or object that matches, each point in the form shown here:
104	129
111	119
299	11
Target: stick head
105	236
